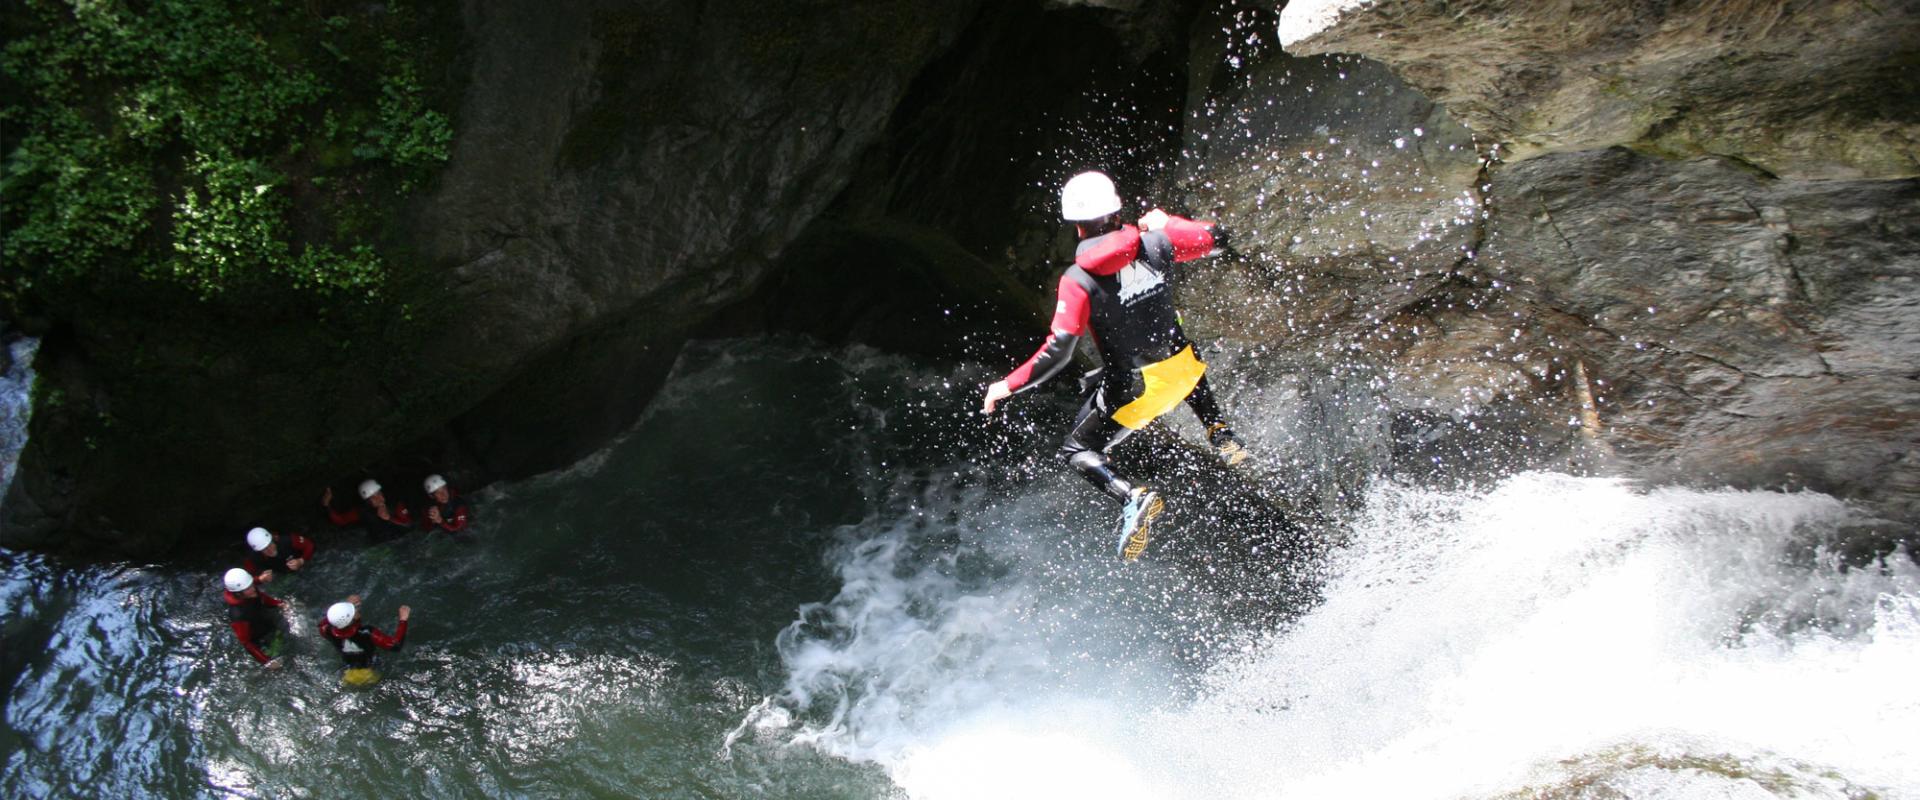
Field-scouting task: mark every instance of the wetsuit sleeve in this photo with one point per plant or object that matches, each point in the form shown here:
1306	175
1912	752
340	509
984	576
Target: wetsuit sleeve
385	642
402	514
244	630
343	518
270	601
1069	324
302	546
1192	239
459	521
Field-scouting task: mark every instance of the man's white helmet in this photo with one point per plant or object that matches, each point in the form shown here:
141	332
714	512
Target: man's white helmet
341	614
259	538
1088	196
435	483
238	580
369	488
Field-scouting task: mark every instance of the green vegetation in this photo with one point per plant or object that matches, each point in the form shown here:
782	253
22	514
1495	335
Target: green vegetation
198	215
224	147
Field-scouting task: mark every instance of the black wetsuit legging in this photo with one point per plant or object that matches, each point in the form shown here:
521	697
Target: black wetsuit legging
1095	431
1205	406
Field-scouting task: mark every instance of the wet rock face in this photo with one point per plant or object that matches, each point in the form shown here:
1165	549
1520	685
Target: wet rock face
1749	330
1699	234
1358	194
1799	88
1355	202
626	169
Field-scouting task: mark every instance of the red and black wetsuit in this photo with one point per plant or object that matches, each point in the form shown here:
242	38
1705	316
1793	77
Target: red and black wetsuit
453	514
357	642
286	548
399	523
255	621
1116	290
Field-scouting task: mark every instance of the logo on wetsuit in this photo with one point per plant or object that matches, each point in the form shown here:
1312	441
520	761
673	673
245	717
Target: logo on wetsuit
1138	280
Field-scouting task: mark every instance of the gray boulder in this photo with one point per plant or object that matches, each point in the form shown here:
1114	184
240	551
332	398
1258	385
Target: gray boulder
1798	89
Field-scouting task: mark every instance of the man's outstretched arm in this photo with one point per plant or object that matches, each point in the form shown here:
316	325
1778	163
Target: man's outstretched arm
1069	324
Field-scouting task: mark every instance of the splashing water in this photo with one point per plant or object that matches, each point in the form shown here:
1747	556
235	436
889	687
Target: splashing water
1551	632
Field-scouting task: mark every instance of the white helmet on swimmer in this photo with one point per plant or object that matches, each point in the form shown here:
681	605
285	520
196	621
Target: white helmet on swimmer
435	483
238	580
259	538
341	614
1088	196
369	488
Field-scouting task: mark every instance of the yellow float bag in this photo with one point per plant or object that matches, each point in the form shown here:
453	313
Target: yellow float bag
360	676
1168	383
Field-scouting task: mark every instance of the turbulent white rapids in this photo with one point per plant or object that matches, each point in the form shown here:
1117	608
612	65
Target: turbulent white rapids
1554	636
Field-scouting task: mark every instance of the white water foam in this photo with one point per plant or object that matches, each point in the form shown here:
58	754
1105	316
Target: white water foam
1471	642
1554	629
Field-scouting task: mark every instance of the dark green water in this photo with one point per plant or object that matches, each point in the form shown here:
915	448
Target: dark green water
604	630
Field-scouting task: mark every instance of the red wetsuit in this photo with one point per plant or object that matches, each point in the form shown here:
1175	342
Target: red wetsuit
1131	312
254	621
357	642
453	514
287	548
400	520
1116	291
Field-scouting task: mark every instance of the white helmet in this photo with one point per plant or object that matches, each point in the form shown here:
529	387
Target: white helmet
238	580
259	538
341	614
435	483
1088	196
369	488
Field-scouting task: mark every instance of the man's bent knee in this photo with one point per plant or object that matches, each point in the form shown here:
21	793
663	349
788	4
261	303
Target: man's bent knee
1094	466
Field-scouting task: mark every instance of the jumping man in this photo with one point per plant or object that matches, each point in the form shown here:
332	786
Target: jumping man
1116	291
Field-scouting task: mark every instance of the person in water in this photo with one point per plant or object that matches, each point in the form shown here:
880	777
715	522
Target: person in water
384	521
445	510
270	553
341	627
254	616
1116	291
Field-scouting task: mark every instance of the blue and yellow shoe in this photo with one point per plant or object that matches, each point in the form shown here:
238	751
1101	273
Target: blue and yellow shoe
1136	521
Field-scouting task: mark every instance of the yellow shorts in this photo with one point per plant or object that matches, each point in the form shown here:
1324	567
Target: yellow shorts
1168	383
